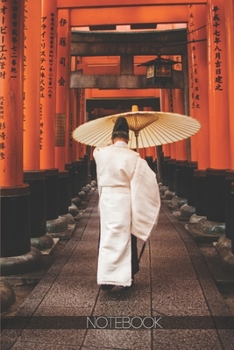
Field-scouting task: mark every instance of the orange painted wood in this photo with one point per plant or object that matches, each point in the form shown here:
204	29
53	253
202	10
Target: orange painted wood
11	93
165	105
128	15
199	103
151	152
178	107
81	119
121	93
32	57
229	16
62	89
71	149
218	87
71	157
117	3
48	83
166	150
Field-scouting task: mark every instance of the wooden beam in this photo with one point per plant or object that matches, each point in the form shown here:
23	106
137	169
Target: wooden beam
129	81
129	43
116	3
129	15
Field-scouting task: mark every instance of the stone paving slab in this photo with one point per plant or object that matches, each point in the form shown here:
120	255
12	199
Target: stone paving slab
173	281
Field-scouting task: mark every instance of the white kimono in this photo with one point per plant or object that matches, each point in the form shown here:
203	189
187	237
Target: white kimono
129	203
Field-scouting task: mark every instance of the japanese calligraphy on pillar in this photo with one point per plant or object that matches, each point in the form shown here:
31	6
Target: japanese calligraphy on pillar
9	60
25	47
60	130
62	44
194	80
62	87
3	50
81	97
47	90
217	40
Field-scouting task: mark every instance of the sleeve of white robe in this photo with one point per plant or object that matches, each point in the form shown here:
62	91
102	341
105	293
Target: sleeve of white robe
145	201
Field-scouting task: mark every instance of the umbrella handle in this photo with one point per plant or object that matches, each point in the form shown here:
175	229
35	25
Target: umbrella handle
136	135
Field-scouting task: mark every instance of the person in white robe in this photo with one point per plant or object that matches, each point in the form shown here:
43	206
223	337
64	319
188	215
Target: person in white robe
129	204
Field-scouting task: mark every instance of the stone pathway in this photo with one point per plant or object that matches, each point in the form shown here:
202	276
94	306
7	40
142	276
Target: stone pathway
174	303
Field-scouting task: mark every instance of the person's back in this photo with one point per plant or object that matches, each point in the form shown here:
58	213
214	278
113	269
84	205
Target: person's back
123	179
115	165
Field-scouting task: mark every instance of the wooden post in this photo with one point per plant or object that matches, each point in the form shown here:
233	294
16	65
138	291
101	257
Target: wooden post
218	111
31	141
48	83
15	195
199	106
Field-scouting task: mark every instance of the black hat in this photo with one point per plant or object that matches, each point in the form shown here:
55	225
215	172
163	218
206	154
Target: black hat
121	129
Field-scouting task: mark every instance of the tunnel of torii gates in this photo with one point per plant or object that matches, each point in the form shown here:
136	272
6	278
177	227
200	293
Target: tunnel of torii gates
58	69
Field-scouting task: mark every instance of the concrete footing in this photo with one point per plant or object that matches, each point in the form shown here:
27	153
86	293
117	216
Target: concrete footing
211	227
177	202
22	263
224	250
69	218
57	225
7	295
205	231
168	195
185	212
42	243
163	189
194	219
73	210
227	260
76	201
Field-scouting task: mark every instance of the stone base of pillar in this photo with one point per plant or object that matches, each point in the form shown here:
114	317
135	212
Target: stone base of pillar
168	195
211	227
69	219
64	235
206	231
222	244
93	183
177	202
20	264
185	212
57	225
224	249
42	243
7	295
76	201
86	189
82	194
162	189
194	219
227	260
73	210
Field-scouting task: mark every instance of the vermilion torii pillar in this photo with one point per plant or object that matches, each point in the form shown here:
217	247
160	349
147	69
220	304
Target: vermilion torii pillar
226	255
220	158
229	15
178	107
31	135
48	114
15	195
181	181
48	83
199	105
62	107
